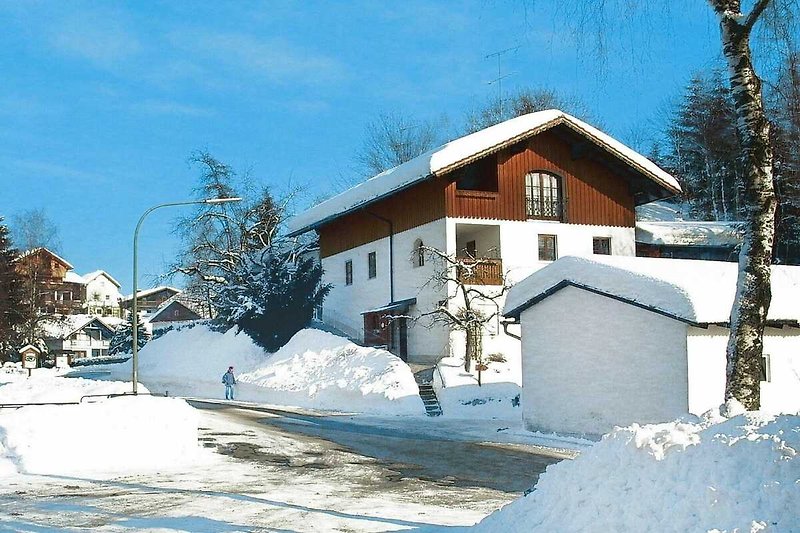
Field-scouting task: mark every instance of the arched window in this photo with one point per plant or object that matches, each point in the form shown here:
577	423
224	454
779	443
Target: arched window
542	196
419	253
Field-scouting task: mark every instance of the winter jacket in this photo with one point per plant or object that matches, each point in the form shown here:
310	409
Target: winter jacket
228	379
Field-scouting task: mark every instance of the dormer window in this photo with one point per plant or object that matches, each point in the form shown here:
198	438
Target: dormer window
542	196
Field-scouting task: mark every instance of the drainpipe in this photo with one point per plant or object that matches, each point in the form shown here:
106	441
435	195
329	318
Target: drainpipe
391	253
507	323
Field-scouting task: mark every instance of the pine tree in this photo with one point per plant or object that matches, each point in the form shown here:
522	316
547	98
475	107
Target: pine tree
272	298
11	298
122	341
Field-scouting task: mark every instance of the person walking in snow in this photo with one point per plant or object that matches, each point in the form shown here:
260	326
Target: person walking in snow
229	380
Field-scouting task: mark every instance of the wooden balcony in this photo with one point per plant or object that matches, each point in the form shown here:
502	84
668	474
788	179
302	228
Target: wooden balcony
480	271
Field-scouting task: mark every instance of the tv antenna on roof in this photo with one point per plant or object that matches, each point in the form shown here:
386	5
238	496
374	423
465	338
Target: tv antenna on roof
500	76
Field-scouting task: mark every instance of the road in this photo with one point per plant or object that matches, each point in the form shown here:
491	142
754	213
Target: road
288	471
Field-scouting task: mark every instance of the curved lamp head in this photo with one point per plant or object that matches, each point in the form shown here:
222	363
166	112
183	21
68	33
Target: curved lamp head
221	200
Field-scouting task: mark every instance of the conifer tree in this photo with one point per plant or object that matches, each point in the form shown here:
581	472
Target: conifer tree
11	297
122	341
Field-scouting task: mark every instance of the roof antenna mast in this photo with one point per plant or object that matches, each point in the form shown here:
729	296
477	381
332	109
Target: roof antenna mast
500	76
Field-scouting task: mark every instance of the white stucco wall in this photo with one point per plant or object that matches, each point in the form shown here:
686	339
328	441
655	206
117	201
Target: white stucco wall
519	250
343	306
591	362
108	293
706	357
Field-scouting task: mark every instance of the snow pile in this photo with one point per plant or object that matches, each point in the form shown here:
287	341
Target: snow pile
113	436
319	369
315	369
739	474
698	291
497	397
46	385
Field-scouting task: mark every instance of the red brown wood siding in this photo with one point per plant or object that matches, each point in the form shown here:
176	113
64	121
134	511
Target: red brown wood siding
407	209
592	193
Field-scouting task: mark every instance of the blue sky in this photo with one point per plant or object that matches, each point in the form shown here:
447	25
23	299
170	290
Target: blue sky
101	103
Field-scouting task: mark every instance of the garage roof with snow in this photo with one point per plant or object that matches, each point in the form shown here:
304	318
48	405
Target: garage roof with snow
465	150
695	292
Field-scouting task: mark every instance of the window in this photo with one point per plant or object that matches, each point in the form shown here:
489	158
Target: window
542	198
96	352
372	264
479	176
419	253
348	272
548	250
601	245
766	371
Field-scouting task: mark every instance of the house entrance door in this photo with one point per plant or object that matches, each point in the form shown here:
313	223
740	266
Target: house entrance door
399	338
381	330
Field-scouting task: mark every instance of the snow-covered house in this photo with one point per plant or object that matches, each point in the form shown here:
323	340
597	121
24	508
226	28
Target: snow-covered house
149	299
181	309
80	335
616	340
102	294
61	291
518	194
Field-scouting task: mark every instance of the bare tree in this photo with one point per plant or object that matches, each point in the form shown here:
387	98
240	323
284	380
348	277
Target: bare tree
522	102
393	139
468	306
753	295
33	229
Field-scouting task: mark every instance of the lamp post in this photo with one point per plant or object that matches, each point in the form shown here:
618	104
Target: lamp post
134	307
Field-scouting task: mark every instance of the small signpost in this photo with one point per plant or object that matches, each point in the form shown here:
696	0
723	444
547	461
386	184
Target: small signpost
30	357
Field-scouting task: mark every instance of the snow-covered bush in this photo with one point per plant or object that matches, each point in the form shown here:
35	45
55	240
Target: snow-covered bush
737	474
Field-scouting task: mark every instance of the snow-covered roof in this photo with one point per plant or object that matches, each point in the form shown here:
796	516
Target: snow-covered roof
72	277
660	211
92	275
465	150
34	251
690	233
698	292
66	325
147	292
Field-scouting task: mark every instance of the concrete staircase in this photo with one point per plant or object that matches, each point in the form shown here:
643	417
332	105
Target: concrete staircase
428	395
423	374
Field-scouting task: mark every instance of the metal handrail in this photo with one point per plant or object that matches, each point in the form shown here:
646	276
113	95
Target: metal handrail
165	394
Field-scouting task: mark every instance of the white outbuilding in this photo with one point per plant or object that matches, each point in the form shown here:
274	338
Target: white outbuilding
616	340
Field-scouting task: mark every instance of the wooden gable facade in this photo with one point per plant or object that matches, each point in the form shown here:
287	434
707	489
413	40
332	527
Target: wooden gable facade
595	188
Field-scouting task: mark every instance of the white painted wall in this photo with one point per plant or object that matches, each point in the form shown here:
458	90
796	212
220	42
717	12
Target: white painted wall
519	250
591	362
706	357
343	307
107	292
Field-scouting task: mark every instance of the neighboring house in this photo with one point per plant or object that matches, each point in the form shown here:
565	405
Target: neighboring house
612	341
102	294
149	299
520	193
60	290
80	335
663	231
180	309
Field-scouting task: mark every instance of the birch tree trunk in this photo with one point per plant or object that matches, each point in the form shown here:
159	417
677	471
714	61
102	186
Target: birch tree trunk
753	294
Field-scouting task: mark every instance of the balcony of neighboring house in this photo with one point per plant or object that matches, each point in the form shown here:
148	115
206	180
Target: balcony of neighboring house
479	255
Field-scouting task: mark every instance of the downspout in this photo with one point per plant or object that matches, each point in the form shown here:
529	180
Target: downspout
507	323
391	253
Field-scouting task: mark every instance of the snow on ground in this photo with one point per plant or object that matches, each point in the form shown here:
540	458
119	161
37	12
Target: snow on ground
497	397
99	436
737	474
315	369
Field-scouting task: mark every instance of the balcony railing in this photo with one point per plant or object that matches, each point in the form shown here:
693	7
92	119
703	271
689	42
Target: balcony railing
544	208
480	271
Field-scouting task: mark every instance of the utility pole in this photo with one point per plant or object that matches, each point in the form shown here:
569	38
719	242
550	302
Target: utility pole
500	76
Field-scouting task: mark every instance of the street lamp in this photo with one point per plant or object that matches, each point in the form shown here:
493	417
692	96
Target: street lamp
134	310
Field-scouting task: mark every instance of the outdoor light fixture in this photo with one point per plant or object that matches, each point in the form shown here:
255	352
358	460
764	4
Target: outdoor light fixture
135	305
